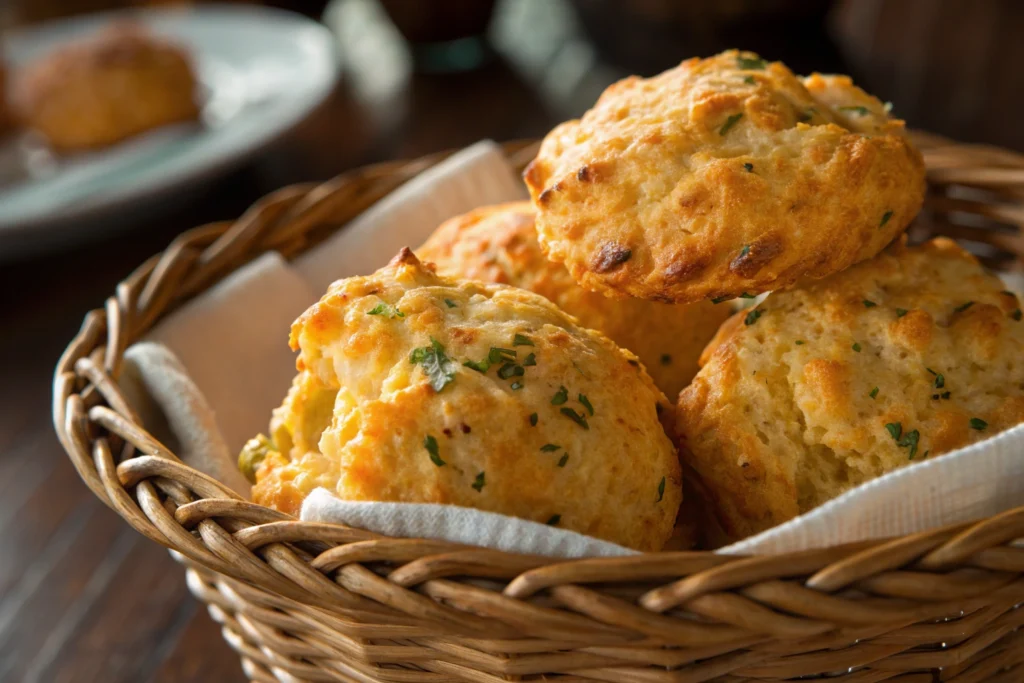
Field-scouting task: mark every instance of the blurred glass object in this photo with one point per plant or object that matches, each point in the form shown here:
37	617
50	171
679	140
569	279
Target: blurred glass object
443	35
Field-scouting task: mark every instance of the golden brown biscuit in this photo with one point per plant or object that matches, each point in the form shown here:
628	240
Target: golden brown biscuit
723	176
471	394
499	244
909	355
112	86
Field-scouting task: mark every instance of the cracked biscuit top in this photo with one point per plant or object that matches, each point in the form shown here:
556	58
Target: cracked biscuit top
912	354
723	176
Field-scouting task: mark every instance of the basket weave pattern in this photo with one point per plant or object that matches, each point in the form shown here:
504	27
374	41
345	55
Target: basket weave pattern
303	601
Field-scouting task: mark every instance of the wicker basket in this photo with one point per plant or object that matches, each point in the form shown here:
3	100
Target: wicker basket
319	602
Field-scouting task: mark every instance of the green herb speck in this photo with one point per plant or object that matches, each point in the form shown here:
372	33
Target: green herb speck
509	370
910	439
661	490
586	404
720	299
499	355
564	459
749	167
799	342
482	366
533	419
885	218
575	417
479	482
439	368
729	123
1017	315
744	251
900	312
861	111
560	397
521	340
450	303
386	309
869	304
940	380
754	63
555	519
515	386
874	392
963	307
856	347
550	447
752	317
430	443
749	80
978	423
744	295
895	429
530	360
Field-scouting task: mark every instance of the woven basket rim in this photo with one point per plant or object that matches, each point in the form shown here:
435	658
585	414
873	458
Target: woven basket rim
325	566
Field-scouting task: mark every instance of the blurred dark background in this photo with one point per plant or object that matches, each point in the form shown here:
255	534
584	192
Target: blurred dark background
417	76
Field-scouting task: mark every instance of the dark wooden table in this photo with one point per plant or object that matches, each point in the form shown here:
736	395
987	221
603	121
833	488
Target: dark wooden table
82	596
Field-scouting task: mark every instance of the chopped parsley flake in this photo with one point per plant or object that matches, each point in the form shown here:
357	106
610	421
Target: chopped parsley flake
521	340
661	490
978	423
861	111
940	380
744	251
555	519
895	429
874	392
550	447
749	80
530	360
586	404
749	167
564	459
729	123
451	304
752	317
438	367
869	304
752	63
799	342
963	307
900	312
499	355
386	309
479	482
806	116
910	439
945	395
430	443
720	299
1017	315
885	218
515	386
509	370
856	347
533	419
575	417
745	295
482	366
560	397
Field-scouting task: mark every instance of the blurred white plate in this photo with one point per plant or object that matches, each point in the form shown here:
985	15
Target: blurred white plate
262	71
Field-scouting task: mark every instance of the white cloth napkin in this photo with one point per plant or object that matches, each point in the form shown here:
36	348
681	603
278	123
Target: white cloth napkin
232	343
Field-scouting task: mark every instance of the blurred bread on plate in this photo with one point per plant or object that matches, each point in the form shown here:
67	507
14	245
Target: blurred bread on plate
901	358
721	177
413	387
106	88
499	244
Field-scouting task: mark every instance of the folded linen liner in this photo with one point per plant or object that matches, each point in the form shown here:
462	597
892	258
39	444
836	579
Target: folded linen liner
207	377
